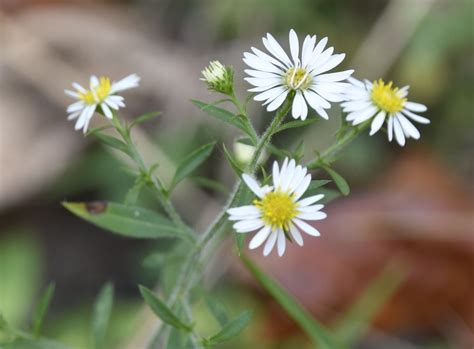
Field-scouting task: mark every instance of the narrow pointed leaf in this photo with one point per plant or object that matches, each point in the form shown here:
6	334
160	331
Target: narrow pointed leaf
191	162
112	142
234	164
144	118
42	309
222	115
26	343
210	184
162	310
339	180
125	220
101	314
231	329
316	331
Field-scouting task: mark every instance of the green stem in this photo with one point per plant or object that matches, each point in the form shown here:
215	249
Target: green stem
243	112
187	274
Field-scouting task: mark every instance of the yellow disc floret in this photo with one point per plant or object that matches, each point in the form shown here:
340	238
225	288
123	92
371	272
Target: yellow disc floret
278	209
98	93
386	97
297	78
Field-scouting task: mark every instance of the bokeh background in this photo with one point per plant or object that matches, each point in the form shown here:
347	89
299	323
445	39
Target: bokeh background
409	206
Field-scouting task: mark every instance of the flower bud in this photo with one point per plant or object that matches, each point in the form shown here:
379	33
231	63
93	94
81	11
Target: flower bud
219	78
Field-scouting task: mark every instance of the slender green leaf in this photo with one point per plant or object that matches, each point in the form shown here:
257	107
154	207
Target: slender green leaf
314	186
125	220
162	310
210	184
112	142
217	309
144	118
313	329
329	195
42	309
234	164
231	329
191	162
101	314
280	153
296	123
178	340
356	321
133	193
222	115
339	180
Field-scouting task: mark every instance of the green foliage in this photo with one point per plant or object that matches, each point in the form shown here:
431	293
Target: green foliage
191	162
25	343
217	310
210	184
238	121
125	220
112	142
320	335
295	124
234	164
341	183
230	330
101	314
162	311
42	309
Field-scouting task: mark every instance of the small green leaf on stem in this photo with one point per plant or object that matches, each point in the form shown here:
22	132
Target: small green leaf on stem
162	310
191	162
112	142
315	185
42	309
231	329
210	184
217	309
234	164
341	183
144	118
101	314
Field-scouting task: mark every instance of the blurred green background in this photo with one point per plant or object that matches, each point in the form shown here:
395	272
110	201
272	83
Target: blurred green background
427	44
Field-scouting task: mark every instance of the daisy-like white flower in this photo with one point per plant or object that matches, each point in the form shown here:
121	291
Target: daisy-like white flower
279	210
101	93
381	101
276	75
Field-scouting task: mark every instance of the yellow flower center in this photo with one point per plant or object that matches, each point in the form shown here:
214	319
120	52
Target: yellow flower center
278	209
101	91
386	97
297	78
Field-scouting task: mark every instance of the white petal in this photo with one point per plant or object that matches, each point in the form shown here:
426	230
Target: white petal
246	226
308	47
126	83
415	117
287	175
277	102
275	49
334	76
408	127
311	208
270	243
297	105
94	81
304	109
317	51
258	64
363	114
356	105
322	59
276	174
253	185
72	93
270	94
418	107
300	173
75	107
79	87
248	217
266	57
329	96
310	200
243	210
356	82
259	82
295	233
106	110
308	229
74	115
313	216
399	135
302	187
316	101
260	74
322	113
294	46
390	128
377	122
260	237
281	242
283	168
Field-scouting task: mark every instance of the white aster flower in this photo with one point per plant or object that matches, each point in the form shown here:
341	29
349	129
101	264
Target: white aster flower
381	101
101	93
276	75
278	212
